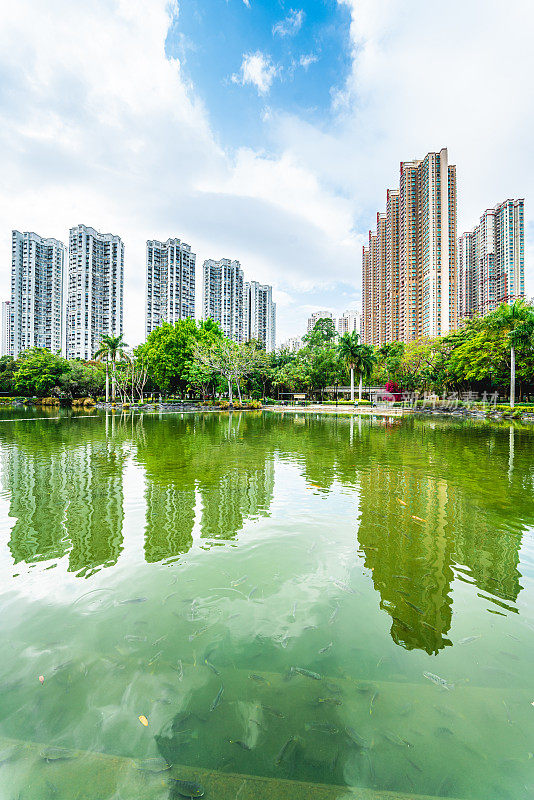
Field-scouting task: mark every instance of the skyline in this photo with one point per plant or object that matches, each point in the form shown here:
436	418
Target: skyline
281	168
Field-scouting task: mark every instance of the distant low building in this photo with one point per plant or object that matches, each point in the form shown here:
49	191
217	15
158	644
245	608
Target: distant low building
316	316
292	344
348	323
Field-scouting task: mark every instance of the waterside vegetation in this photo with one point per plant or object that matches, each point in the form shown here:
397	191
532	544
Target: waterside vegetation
195	361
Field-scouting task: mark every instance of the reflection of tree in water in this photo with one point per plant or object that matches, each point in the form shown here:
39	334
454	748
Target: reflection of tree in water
66	492
233	473
464	483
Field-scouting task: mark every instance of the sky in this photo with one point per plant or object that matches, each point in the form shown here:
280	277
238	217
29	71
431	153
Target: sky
266	132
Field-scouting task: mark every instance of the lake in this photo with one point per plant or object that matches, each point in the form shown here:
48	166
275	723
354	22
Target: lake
268	605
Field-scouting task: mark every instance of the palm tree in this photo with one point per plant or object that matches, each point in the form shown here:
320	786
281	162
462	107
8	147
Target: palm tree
349	350
111	348
363	364
516	322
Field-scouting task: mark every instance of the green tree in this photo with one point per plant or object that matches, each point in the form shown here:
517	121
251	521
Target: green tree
323	333
82	380
111	348
39	371
363	364
516	323
349	350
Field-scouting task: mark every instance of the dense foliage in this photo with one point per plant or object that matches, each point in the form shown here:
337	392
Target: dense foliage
195	360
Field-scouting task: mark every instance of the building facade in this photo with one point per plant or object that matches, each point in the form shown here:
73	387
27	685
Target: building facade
409	268
316	316
95	290
259	314
37	294
348	323
491	260
170	282
6	329
293	344
223	285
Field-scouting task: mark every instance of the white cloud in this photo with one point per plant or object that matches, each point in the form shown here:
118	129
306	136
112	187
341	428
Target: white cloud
291	25
258	70
306	60
102	128
247	3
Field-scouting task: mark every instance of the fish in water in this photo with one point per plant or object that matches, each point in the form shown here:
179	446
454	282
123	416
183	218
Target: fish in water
355	737
374	698
258	678
322	727
333	615
188	788
469	639
441	682
180	669
153	765
394	739
239	581
326	648
217	699
56	754
286	749
211	666
241	744
198	633
133	600
273	712
330	701
307	673
415	608
344	587
252	592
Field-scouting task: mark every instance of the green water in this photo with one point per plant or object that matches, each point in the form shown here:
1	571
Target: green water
147	561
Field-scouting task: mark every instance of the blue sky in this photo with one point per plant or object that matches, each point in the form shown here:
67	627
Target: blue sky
263	132
305	49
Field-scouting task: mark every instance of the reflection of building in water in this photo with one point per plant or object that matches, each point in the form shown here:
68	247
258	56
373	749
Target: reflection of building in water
240	492
410	559
95	512
170	516
39	497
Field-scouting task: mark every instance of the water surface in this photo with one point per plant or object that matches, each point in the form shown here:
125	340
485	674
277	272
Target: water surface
340	603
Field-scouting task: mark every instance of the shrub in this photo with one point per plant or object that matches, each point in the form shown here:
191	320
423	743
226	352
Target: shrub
254	404
224	405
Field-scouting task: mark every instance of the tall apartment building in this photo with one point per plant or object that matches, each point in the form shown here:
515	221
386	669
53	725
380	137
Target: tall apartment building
37	276
95	290
6	328
316	316
259	314
223	296
491	260
409	269
348	323
170	282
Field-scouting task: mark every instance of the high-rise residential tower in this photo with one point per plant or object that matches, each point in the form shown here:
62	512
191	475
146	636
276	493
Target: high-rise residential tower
259	314
37	279
409	270
223	296
170	282
6	329
348	323
95	290
492	260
